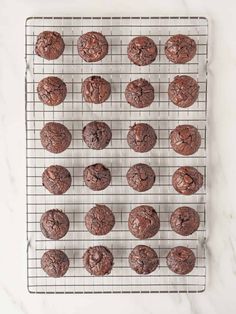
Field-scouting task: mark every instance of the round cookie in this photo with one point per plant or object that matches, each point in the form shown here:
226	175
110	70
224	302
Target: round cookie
184	220
98	260
143	222
97	135
49	45
181	260
54	224
141	177
142	50
55	263
185	139
187	180
180	48
97	177
95	89
183	91
51	91
99	220
92	46
143	260
55	137
139	93
56	179
141	137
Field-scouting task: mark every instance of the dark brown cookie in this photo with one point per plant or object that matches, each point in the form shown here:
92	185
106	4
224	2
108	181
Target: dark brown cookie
97	177
99	220
141	177
51	91
49	45
184	220
54	224
183	91
143	260
143	222
97	134
139	93
96	89
187	180
142	50
55	137
98	260
181	260
56	179
55	263
185	139
180	48
92	46
141	137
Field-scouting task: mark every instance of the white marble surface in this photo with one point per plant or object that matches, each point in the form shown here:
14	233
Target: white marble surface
220	293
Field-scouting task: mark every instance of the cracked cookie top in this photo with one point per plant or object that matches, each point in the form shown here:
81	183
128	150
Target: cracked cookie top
185	139
49	45
183	91
99	220
141	137
142	50
55	137
143	260
92	46
180	48
184	220
187	180
95	89
141	177
54	224
56	179
55	263
139	93
98	260
143	222
51	91
97	177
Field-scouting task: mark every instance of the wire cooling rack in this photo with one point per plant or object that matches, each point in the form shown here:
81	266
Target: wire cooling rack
75	114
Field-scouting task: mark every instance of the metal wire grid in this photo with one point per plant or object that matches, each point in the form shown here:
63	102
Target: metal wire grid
75	114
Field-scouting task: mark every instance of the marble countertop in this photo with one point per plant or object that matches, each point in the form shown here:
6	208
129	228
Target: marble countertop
219	296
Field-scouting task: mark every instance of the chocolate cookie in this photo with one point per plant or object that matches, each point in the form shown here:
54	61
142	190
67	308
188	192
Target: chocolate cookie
142	50
55	137
51	91
96	89
139	93
141	177
183	91
97	134
141	137
181	260
56	179
180	48
98	260
99	220
49	45
187	180
143	259
185	139
143	222
92	46
54	224
97	177
184	220
55	263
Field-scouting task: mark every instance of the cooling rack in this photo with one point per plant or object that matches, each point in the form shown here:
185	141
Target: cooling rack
75	114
